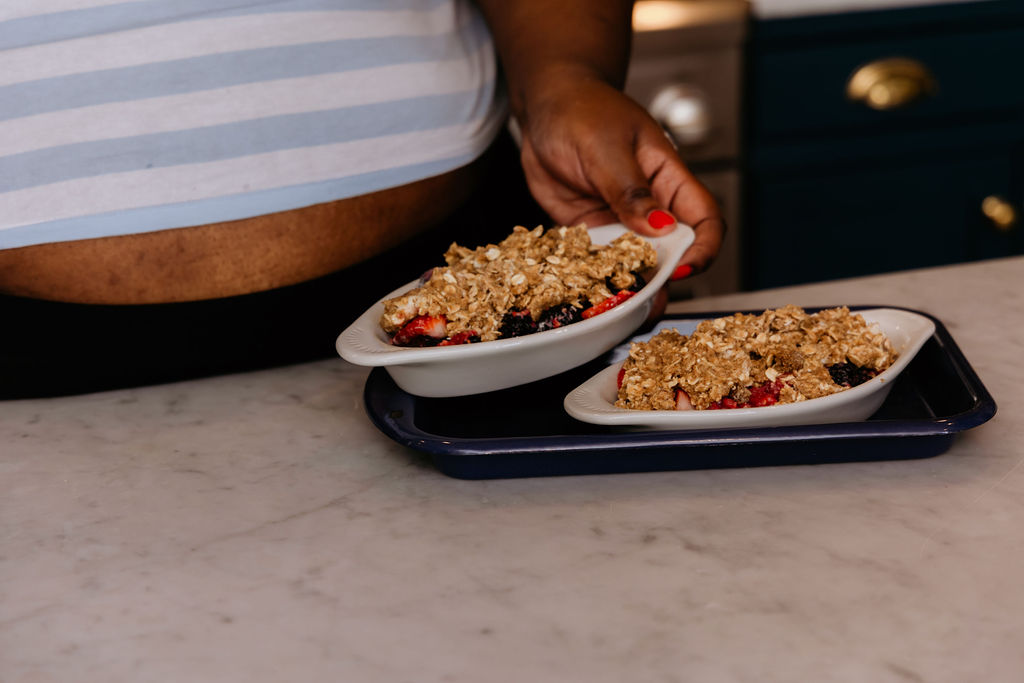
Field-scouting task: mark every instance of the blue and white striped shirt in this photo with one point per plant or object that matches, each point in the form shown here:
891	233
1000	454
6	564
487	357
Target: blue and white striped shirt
121	117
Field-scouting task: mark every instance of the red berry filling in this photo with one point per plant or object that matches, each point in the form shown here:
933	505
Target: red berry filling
467	337
763	394
428	330
608	304
431	330
767	393
423	330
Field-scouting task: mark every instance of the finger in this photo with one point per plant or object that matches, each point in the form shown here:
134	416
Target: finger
621	182
593	218
695	206
708	236
658	305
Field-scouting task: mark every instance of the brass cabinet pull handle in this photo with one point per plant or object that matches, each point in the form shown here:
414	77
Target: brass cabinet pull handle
1000	212
891	83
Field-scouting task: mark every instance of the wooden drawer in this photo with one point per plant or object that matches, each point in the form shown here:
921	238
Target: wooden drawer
799	72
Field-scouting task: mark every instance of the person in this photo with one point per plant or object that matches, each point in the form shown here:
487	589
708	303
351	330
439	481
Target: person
198	188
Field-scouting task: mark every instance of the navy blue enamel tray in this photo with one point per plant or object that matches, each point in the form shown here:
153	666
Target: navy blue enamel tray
525	432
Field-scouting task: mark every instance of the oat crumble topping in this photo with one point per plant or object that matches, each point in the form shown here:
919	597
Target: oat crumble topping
725	357
530	270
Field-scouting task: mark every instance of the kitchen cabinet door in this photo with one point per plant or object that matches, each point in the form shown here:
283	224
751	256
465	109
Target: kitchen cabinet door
900	215
885	140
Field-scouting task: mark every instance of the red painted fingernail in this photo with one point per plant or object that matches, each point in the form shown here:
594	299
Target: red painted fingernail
682	271
659	219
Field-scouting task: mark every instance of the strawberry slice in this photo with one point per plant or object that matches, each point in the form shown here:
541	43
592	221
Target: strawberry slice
620	377
683	400
433	326
608	304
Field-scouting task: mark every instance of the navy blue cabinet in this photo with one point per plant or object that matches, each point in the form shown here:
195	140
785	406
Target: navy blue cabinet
923	165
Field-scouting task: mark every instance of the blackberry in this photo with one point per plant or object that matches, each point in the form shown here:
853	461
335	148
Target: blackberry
422	340
638	283
516	323
849	375
559	316
466	337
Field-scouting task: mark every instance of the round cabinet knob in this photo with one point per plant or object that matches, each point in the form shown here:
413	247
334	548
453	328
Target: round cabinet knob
1000	212
684	112
890	83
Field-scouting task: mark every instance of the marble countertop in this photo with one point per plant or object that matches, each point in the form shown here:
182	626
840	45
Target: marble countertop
258	528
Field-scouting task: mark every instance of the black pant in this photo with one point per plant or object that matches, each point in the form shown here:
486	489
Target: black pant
52	348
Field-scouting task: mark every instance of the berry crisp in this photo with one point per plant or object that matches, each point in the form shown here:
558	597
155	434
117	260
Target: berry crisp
533	280
783	355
